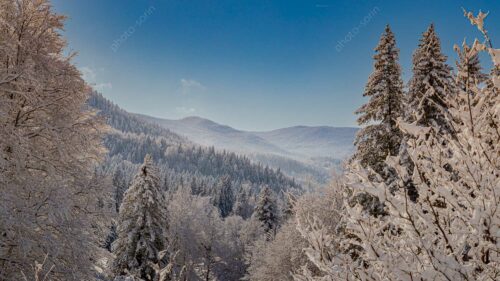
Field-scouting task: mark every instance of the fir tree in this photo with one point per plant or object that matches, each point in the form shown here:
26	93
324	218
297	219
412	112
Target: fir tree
141	225
382	136
431	85
266	211
224	198
431	89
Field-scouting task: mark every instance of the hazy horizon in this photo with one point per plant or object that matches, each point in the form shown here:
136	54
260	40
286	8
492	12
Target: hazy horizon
244	130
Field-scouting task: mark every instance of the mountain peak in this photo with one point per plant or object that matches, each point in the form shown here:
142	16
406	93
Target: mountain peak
194	119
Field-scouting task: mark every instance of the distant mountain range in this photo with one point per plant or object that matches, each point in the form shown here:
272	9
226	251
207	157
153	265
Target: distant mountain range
320	141
322	147
308	154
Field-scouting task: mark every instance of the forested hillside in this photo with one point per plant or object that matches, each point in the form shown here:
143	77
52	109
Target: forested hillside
308	153
181	163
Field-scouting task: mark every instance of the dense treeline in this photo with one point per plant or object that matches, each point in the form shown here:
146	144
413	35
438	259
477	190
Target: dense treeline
191	159
136	138
125	122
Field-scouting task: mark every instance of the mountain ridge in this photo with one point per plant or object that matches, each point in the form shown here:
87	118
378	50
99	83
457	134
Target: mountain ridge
209	133
298	141
181	162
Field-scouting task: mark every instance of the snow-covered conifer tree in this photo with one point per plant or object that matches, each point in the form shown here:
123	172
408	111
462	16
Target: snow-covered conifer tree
432	91
288	208
266	211
141	225
451	231
381	137
224	197
431	84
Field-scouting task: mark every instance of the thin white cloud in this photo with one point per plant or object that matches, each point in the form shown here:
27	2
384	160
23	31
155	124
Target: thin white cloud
189	86
90	76
103	86
185	110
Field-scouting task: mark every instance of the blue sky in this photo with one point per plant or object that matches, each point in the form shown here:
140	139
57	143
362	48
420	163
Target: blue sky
250	64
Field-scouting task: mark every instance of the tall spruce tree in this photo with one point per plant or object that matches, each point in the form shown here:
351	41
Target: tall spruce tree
266	211
430	92
431	85
381	137
224	197
141	225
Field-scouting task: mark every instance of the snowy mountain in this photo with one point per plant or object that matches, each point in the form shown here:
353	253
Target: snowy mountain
299	142
209	133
